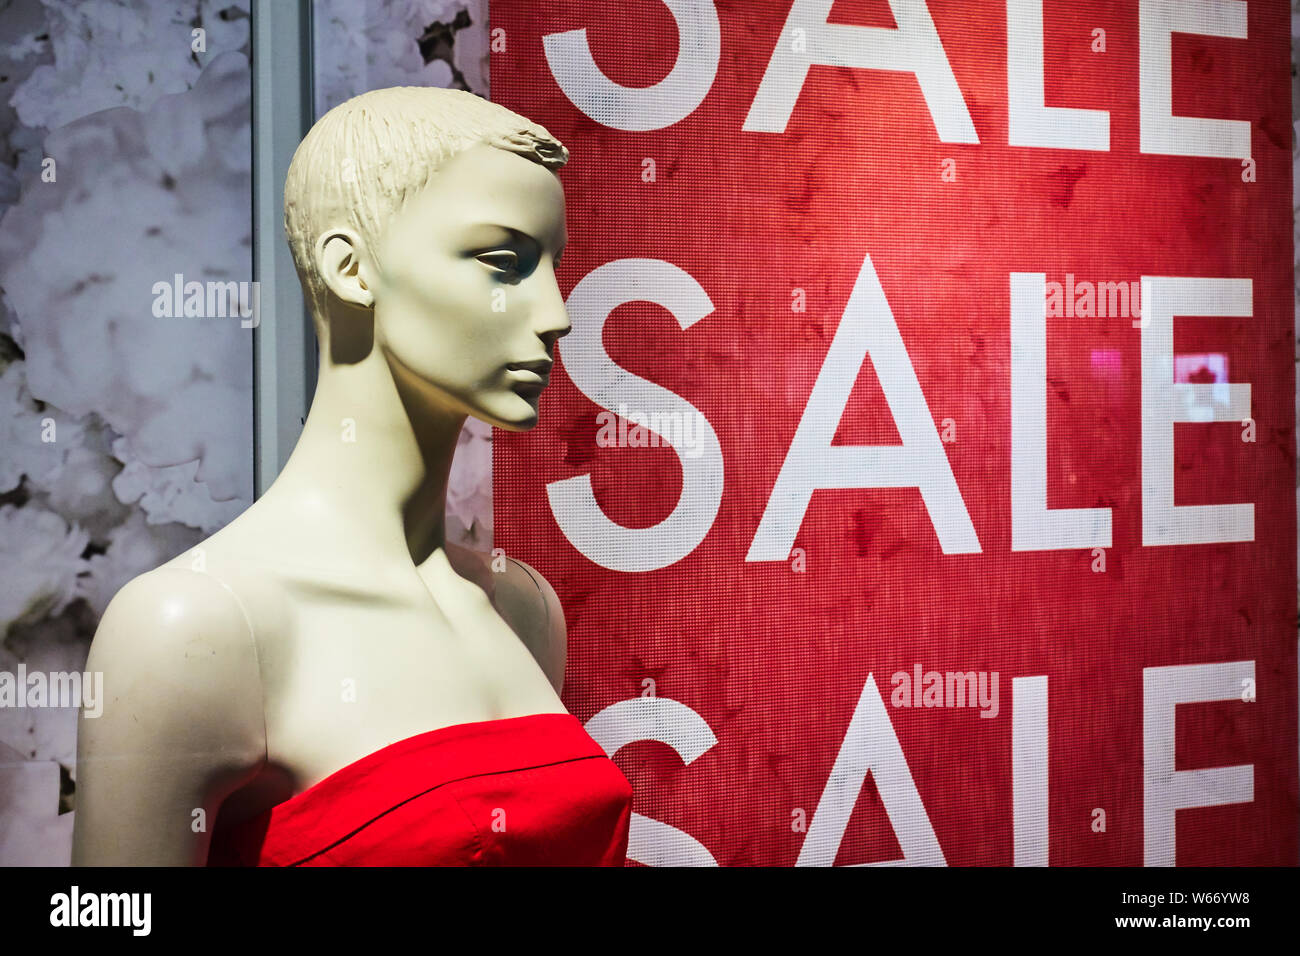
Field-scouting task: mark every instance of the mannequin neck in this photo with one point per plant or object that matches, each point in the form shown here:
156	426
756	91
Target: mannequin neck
368	476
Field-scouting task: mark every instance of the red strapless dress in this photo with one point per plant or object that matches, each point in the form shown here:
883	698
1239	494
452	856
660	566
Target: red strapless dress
522	791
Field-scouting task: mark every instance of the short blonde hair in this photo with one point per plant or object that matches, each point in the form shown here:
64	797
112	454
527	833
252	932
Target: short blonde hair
363	159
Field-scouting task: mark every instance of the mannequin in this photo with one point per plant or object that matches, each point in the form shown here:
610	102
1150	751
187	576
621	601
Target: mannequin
328	650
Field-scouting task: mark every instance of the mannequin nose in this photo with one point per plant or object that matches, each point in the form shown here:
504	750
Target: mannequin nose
551	320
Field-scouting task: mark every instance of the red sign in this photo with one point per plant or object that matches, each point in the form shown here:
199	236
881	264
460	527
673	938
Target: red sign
920	483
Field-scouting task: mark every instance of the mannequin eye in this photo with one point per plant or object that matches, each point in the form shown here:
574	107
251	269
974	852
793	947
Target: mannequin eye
503	261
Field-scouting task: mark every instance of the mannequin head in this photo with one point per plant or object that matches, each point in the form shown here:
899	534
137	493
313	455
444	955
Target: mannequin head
426	225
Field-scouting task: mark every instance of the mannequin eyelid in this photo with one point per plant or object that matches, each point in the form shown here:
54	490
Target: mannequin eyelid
520	243
495	251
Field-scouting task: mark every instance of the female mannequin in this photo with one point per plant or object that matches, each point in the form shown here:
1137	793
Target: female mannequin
330	631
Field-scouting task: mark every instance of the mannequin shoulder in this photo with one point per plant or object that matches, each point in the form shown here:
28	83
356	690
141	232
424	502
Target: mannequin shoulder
526	601
175	647
549	637
156	608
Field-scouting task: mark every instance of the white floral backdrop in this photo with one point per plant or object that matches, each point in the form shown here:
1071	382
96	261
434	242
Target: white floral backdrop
126	438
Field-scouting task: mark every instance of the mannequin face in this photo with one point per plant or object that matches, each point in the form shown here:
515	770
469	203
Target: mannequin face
467	309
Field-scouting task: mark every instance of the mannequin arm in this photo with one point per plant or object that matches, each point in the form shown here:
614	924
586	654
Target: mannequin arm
182	723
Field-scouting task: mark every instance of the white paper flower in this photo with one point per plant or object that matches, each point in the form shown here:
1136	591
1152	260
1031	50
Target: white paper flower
81	489
361	47
21	428
64	459
44	733
173	493
127	53
40	558
471	49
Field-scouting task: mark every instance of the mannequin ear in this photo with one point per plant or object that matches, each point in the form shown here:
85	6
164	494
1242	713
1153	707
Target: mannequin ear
338	256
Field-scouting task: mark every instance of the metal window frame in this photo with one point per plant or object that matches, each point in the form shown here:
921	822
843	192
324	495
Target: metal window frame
284	343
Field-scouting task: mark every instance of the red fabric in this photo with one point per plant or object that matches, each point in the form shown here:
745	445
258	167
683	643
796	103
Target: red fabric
533	790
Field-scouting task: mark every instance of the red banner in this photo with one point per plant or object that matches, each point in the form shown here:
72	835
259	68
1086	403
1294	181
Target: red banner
919	475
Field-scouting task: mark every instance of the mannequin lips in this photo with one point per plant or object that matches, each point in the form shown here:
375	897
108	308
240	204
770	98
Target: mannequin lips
529	388
530	374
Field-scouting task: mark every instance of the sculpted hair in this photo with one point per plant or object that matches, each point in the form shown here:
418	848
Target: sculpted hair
364	158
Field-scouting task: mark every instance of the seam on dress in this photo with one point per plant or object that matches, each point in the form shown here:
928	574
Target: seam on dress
478	835
473	776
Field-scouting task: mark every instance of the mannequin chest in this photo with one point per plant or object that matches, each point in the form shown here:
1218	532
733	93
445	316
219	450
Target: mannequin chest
351	667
